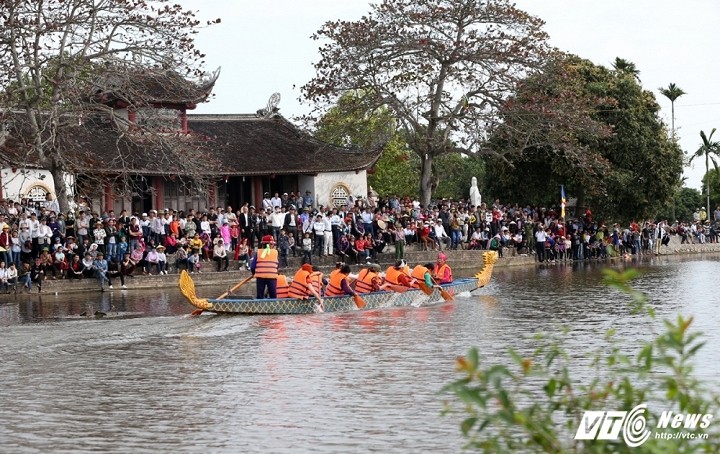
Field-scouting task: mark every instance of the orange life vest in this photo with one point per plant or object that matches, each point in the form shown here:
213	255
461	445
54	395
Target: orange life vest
365	282
299	286
267	266
392	275
334	287
440	274
316	279
419	273
283	289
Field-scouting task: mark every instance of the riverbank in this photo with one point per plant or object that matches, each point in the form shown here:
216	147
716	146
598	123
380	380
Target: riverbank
461	260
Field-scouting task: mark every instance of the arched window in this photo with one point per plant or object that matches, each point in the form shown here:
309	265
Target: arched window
37	193
339	195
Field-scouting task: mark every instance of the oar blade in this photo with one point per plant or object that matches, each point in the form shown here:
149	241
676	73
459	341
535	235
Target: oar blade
447	296
359	301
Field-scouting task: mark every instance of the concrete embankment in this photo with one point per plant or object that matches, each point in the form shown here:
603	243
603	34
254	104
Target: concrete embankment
460	260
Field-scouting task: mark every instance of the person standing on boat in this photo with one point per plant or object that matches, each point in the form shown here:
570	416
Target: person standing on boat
443	273
264	267
338	284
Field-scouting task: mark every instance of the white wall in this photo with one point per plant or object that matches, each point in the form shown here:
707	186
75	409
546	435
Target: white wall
325	182
17	182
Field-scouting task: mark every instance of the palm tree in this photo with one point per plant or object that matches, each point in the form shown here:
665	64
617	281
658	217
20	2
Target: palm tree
672	92
708	149
627	67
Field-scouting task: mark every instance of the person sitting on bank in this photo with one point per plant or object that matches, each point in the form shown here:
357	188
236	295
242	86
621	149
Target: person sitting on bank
151	261
442	271
264	266
162	259
220	255
302	286
368	279
399	274
339	284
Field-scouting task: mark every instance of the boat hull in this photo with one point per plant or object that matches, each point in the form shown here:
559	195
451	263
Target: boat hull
374	300
411	297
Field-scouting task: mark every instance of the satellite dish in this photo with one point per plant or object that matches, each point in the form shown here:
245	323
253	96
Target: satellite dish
272	104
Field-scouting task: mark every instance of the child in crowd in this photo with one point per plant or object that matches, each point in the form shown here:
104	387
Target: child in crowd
162	259
291	244
307	248
194	261
122	248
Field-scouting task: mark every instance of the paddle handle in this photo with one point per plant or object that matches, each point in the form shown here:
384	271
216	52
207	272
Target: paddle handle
243	282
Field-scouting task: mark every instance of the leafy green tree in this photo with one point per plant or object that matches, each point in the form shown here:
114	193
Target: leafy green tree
672	92
396	173
712	179
352	123
457	170
626	67
616	158
442	67
710	150
686	202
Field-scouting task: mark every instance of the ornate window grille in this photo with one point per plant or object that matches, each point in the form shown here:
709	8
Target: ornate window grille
339	195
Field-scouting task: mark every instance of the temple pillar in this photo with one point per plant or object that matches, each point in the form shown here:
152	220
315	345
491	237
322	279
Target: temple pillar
158	184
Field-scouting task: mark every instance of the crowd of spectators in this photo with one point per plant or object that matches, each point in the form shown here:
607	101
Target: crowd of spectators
37	242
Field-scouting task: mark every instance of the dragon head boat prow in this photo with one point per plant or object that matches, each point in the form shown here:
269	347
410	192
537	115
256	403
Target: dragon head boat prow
489	260
187	287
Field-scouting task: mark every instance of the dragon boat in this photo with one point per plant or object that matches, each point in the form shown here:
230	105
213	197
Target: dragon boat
374	300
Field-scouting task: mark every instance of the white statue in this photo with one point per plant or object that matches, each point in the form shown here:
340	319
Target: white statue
474	193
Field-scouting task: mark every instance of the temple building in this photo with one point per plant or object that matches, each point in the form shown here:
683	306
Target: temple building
237	157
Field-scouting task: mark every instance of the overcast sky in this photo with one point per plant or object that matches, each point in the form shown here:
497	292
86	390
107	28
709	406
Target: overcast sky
265	47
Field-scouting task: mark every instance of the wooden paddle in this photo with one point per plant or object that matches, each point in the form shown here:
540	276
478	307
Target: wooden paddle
425	289
243	282
394	287
444	293
428	291
359	302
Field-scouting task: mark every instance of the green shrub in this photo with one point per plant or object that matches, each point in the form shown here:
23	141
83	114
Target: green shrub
533	404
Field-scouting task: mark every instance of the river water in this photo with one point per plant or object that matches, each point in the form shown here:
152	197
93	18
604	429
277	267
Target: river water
159	380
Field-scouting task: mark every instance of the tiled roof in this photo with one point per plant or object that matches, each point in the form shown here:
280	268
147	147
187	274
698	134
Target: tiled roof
230	145
152	87
251	145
